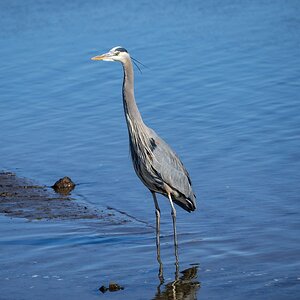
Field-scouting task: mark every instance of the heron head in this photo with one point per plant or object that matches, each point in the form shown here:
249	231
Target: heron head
115	54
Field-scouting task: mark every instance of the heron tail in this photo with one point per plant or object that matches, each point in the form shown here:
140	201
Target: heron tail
187	204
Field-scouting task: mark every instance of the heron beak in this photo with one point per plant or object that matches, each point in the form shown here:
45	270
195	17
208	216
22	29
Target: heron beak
105	57
99	57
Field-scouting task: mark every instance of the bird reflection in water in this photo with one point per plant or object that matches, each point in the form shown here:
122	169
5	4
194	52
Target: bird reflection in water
183	288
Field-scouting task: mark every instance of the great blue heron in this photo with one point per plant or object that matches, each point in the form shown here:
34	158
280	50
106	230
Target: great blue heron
155	163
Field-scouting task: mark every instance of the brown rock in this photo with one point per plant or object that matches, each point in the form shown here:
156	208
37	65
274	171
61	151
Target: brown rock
64	185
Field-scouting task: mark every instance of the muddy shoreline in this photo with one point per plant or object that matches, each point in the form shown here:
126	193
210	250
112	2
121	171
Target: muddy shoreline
23	198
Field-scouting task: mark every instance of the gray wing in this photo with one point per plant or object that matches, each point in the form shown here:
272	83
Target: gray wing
170	168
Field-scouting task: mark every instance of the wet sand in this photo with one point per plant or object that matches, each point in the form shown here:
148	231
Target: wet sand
23	198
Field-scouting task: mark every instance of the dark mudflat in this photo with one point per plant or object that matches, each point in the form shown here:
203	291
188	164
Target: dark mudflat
20	197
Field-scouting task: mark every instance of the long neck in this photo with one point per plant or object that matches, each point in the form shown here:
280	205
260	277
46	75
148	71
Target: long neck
131	110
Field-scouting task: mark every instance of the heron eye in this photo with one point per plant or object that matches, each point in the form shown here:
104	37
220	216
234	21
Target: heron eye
117	53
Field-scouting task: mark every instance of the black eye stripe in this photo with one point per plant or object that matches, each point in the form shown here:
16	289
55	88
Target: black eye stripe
121	50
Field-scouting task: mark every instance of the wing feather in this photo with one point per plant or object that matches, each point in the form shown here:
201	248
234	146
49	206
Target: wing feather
169	166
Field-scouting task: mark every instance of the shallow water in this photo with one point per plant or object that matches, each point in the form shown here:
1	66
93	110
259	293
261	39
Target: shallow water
222	88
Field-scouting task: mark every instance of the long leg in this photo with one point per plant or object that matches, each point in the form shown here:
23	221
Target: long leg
157	213
173	213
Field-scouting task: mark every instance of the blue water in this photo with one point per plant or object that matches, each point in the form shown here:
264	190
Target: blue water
222	88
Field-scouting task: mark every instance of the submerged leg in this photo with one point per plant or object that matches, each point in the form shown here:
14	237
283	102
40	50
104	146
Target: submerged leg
157	213
173	213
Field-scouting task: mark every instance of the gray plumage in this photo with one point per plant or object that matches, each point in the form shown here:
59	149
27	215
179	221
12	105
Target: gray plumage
159	168
155	163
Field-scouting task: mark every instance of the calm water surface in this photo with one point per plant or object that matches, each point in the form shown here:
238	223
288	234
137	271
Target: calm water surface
222	88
